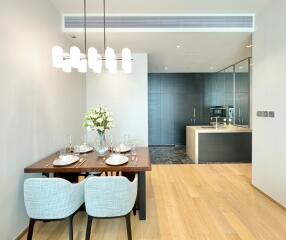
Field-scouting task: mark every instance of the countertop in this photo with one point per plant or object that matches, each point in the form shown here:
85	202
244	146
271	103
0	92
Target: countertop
221	129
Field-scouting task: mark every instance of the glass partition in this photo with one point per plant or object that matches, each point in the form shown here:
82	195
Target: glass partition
242	90
237	92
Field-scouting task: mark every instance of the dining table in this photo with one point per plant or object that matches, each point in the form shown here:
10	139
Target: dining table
92	162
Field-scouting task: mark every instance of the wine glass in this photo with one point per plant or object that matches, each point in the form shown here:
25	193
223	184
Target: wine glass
110	143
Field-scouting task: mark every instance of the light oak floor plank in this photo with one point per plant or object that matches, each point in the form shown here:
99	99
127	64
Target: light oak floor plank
197	202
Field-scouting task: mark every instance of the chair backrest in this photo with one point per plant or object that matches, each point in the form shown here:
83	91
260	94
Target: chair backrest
111	196
49	198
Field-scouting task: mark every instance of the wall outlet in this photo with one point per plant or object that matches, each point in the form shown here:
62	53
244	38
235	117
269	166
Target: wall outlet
271	114
265	113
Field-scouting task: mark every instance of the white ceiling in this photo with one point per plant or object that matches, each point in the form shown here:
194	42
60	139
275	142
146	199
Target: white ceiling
162	6
198	52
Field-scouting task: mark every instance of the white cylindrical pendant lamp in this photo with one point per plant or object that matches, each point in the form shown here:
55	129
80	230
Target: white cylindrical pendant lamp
109	57
75	56
98	65
92	57
126	60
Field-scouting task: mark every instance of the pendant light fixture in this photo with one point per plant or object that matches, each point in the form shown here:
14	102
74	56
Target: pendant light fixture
91	58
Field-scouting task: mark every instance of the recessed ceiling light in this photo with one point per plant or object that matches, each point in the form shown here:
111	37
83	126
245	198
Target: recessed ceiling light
211	68
166	68
249	46
240	67
178	46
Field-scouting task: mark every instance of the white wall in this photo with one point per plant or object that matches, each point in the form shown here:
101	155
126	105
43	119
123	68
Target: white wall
39	105
126	96
269	93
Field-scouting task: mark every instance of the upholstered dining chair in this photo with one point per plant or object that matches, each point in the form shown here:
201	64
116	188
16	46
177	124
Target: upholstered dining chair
52	199
110	197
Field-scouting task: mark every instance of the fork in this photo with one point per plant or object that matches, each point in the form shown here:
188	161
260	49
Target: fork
81	161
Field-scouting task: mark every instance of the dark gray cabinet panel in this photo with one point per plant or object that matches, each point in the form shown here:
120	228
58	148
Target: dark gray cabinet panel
242	82
154	83
167	119
154	118
242	108
183	107
175	96
228	80
242	100
167	83
225	147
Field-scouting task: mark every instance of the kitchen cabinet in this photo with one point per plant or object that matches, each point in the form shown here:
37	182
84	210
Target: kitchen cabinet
242	99
174	97
154	118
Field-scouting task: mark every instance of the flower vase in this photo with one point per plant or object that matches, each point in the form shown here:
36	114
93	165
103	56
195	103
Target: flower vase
100	143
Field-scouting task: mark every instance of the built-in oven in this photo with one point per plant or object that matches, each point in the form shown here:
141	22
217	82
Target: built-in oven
218	111
226	113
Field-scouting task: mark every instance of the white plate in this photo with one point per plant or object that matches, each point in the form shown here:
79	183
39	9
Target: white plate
85	150
116	159
123	149
60	163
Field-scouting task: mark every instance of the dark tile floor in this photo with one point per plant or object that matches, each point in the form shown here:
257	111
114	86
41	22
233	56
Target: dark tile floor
169	155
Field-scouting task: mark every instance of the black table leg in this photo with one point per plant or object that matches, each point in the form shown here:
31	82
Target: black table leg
142	195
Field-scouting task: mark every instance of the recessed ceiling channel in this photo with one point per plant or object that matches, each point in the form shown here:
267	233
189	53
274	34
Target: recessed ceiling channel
191	23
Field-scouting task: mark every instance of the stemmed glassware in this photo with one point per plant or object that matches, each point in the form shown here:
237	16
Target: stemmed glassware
133	149
110	143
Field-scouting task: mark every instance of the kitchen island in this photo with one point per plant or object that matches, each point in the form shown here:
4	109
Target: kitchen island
207	144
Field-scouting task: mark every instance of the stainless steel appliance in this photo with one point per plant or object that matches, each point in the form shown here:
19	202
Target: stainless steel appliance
224	113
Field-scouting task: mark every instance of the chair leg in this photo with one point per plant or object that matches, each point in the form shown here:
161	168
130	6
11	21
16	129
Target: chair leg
128	225
134	209
31	228
70	220
88	228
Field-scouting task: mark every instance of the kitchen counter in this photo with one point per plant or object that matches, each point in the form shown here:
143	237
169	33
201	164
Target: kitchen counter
223	129
216	147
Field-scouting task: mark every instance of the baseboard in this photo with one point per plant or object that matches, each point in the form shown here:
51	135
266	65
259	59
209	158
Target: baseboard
22	234
270	198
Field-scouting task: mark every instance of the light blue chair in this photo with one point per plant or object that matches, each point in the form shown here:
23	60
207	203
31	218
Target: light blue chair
110	197
52	199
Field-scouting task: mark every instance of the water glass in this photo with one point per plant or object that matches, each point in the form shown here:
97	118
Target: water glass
133	152
84	140
117	149
76	149
62	153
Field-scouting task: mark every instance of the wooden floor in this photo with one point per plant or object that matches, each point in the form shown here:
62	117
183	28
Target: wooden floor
191	202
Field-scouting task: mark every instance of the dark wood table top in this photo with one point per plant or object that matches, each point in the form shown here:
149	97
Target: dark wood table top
93	162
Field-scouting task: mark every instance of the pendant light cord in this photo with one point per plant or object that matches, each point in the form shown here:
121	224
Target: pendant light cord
84	3
104	32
